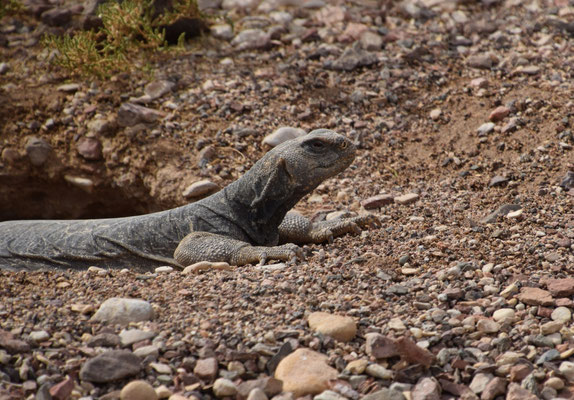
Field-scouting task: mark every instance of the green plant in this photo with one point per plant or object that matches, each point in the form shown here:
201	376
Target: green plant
128	29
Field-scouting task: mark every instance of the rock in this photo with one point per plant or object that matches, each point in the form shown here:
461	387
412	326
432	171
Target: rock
547	356
269	386
283	134
378	201
499	113
131	336
412	353
354	58
206	266
163	392
222	31
338	327
90	148
567	370
504	314
561	287
567	182
100	126
156	89
200	189
111	366
481	61
515	214
132	114
516	392
479	382
163	270
385	394
39	336
62	390
151	351
561	314
535	297
498	181
239	4
57	16
206	368
257	394
138	390
555	383
250	39
329	395
479	83
104	340
487	326
378	371
435	114
305	372
160	368
68	88
530	70
500	211
519	372
123	311
371	41
38	150
357	367
408	198
485	129
224	388
551	327
380	346
496	387
426	389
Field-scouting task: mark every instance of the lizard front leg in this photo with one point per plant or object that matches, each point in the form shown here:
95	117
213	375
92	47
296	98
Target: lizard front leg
296	228
205	246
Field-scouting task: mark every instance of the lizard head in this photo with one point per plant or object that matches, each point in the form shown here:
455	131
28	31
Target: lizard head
317	156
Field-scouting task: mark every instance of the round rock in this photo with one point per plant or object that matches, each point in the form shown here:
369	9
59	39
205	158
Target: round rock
224	388
38	150
138	390
338	327
283	134
123	311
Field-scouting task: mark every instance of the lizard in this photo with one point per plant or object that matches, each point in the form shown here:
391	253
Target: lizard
246	222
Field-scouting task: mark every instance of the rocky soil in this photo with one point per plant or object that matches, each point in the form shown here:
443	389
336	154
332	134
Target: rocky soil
463	115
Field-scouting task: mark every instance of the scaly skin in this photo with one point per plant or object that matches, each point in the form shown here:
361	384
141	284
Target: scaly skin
237	224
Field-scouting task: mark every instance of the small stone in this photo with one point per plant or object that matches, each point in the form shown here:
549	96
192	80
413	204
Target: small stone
354	58
487	326
371	41
567	370
516	392
161	368
206	266
485	128
200	189
496	387
519	372
500	211
380	346
132	114
38	150
357	367
257	394
561	314
269	386
329	395
435	114
250	39
407	198
547	356
378	371
123	311
131	336
68	88
426	389
206	368
555	383
305	372
535	297
499	113
163	392
377	201
479	83
530	70
156	89
147	351
283	134
338	327
163	270
481	61
397	324
504	314
515	214
85	184
89	148
39	336
104	340
222	31
224	388
385	394
561	287
111	366
138	390
551	327
479	382
62	390
56	16
412	353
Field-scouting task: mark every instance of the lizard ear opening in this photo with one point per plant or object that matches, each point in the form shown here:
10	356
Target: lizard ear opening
275	185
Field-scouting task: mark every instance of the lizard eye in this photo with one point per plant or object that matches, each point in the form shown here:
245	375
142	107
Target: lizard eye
344	145
315	146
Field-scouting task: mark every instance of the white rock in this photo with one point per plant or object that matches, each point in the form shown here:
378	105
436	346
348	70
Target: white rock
224	388
123	311
503	313
222	31
39	336
131	336
562	314
567	369
164	270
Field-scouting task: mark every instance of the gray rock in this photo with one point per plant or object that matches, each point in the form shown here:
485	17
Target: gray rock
371	41
385	394
200	189
426	389
111	366
568	181
38	150
104	340
209	4
500	211
89	148
353	58
549	355
250	39
132	114
39	336
131	336
222	31
481	61
123	311
485	128
498	181
57	16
